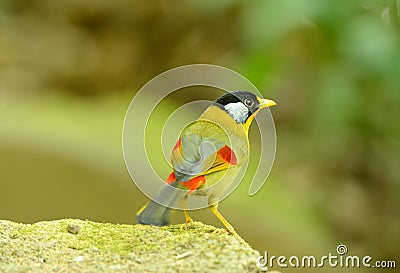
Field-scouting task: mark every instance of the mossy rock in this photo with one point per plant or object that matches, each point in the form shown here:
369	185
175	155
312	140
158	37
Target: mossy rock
71	245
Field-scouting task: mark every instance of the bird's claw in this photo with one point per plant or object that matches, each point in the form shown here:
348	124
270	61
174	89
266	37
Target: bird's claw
187	225
230	230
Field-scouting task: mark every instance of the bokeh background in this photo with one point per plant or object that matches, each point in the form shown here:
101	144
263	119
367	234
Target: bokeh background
69	69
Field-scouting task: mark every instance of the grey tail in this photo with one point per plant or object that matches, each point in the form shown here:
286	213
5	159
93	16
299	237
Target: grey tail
156	214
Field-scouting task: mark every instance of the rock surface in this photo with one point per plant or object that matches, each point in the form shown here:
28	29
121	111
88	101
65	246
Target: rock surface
71	245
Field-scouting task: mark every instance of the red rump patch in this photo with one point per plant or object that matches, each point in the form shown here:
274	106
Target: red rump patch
226	154
194	183
171	178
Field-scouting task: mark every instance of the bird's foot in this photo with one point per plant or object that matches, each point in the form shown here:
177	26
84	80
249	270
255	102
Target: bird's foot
219	231
228	229
231	231
188	224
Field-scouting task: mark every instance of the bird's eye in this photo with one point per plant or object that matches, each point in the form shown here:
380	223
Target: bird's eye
248	102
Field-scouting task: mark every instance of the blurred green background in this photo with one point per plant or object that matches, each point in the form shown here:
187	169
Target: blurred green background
69	69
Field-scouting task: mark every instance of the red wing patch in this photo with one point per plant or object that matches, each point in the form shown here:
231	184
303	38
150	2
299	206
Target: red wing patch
176	157
178	144
194	183
227	155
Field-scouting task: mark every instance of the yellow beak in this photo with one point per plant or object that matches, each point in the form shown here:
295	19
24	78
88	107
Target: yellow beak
266	103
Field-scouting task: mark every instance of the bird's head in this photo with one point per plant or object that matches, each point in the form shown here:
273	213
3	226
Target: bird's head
242	106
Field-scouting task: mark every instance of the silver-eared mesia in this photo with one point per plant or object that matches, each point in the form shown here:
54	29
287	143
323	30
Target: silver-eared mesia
207	157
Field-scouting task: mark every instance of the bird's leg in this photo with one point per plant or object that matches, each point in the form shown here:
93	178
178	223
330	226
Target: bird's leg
229	228
189	220
184	203
187	217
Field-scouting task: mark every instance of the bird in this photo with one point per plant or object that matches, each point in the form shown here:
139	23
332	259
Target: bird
207	157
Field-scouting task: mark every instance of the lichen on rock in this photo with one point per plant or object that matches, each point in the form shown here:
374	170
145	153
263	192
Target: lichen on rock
104	247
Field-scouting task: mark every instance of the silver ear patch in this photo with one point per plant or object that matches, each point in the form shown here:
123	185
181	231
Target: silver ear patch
238	111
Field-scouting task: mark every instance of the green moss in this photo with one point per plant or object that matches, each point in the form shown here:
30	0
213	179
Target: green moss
86	246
